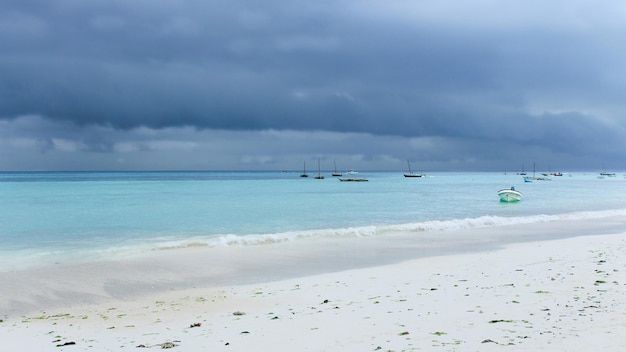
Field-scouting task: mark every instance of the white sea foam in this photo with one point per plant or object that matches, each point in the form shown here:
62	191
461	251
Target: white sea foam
364	231
29	259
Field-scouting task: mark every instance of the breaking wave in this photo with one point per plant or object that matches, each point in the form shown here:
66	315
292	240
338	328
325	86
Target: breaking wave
382	230
21	259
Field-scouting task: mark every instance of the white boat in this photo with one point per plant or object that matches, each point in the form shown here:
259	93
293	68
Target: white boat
510	195
536	178
411	173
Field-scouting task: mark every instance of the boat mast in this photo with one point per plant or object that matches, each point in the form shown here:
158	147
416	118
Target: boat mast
304	171
319	170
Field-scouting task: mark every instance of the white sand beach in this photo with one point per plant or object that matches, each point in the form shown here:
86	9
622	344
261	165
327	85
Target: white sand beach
566	294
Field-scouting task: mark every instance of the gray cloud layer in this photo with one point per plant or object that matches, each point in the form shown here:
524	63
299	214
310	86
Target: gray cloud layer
537	74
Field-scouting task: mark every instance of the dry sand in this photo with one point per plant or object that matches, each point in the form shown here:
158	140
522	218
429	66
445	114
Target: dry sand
558	295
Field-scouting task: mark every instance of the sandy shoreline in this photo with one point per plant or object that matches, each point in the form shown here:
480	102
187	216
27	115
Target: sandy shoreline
564	294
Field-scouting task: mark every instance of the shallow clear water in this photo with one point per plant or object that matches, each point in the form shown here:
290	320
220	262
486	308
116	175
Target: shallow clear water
51	217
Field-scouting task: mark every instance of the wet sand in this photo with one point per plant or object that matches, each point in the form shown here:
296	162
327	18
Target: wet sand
487	292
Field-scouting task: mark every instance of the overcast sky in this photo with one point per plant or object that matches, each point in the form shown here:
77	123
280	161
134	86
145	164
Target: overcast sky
266	85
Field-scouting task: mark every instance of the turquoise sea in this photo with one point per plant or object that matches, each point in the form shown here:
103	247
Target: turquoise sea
65	217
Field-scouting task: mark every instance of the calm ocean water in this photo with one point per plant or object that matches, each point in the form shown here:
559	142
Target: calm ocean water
63	217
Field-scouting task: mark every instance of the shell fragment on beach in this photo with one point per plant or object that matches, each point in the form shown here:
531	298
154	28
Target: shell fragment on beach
168	345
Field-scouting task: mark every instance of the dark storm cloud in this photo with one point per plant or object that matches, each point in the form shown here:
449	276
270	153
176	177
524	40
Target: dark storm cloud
451	69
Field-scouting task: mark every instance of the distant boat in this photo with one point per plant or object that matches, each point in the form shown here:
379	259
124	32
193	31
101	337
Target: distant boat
604	173
534	178
304	174
336	173
509	195
411	173
353	179
319	171
522	173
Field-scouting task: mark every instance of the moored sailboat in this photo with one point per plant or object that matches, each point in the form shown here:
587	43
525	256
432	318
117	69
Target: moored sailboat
535	178
319	175
304	174
411	173
336	173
